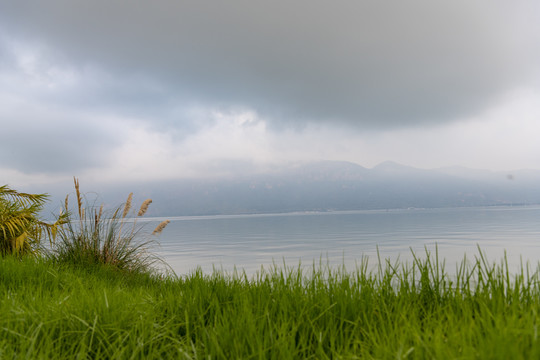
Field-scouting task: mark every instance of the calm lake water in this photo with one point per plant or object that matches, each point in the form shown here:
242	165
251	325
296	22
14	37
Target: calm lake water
251	241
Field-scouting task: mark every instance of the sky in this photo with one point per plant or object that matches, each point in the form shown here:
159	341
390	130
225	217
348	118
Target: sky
160	90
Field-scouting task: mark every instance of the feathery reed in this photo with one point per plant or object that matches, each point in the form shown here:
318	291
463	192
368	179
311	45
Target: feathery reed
79	199
97	238
160	227
127	207
144	207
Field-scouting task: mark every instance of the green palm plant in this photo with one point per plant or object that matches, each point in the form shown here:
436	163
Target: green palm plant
21	229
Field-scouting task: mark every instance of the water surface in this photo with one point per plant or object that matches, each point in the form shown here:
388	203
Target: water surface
342	238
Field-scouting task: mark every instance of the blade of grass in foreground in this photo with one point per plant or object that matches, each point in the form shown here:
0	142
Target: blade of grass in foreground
414	310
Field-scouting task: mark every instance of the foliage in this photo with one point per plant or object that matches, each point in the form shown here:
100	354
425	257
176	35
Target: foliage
96	237
399	311
21	229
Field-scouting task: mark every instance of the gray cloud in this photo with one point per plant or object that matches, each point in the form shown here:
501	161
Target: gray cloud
40	142
371	63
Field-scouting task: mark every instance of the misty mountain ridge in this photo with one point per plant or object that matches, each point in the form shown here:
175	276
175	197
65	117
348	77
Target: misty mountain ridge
339	185
326	186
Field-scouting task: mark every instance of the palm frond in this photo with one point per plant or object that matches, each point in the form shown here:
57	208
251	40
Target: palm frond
21	229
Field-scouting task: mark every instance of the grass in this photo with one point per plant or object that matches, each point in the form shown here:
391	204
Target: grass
92	236
399	311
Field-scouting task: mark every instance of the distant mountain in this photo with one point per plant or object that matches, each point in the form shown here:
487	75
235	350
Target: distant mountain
330	186
333	185
328	170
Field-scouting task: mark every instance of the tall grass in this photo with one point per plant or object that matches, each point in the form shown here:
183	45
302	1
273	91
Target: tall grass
94	236
398	311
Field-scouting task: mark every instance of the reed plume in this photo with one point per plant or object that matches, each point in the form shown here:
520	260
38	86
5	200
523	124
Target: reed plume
144	207
98	215
79	199
127	207
160	227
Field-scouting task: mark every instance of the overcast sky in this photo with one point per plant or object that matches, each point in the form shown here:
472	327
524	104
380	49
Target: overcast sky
114	90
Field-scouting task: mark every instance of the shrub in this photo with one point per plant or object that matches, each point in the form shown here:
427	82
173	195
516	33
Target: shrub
94	237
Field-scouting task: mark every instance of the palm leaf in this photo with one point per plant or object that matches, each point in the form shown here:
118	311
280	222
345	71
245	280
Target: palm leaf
21	230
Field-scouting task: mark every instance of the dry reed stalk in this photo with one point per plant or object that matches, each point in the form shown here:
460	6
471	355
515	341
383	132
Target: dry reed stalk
144	207
127	207
98	215
160	227
79	199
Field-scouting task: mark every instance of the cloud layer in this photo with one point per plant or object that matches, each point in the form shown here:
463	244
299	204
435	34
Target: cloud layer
368	63
165	89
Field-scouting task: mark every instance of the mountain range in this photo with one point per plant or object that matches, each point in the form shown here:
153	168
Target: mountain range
317	186
335	185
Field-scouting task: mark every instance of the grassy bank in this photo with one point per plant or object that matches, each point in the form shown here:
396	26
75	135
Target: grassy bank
414	311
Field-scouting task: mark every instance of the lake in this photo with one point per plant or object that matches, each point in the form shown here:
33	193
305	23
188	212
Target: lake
342	238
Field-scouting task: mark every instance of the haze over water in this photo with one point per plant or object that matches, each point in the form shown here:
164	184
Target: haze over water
342	238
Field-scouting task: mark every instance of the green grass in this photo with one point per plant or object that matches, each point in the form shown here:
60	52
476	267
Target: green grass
415	311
